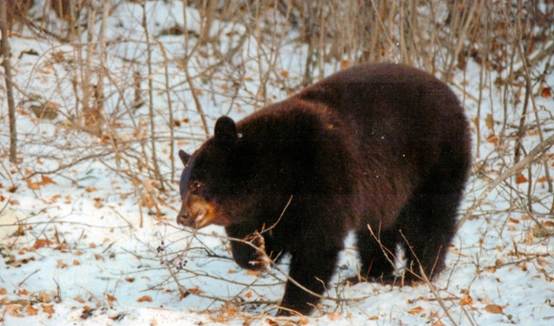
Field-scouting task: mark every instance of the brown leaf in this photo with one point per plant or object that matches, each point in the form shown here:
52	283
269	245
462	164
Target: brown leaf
546	92
333	316
344	63
46	180
61	264
195	290
3	291
111	298
33	185
13	310
40	243
492	139
145	298
44	297
520	178
415	310
48	309
466	299
489	121
31	311
494	309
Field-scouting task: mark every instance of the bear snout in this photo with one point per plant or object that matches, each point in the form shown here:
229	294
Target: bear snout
197	213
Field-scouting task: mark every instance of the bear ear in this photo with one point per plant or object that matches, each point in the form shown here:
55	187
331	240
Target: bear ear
225	130
184	156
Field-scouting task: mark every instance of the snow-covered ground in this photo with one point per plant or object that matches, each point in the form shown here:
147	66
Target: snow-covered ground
78	243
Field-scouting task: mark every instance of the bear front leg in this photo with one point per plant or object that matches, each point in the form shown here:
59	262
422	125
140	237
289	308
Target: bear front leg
248	250
312	270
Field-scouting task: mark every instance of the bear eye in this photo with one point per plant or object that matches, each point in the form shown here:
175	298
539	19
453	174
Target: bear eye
195	186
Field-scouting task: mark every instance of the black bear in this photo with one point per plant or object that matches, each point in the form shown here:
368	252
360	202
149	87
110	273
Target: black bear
381	149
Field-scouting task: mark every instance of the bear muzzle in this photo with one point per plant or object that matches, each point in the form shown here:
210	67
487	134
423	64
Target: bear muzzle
197	213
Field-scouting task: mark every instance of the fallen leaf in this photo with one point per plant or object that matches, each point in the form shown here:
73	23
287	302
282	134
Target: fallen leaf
48	309
46	180
494	309
333	315
195	290
344	63
492	139
520	178
31	311
466	299
145	298
3	291
87	312
437	323
489	121
111	298
415	310
61	264
44	297
13	310
40	243
546	92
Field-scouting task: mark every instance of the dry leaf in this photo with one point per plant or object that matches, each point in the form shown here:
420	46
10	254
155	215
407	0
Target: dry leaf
284	73
76	262
489	121
194	290
466	299
494	309
111	298
44	297
546	92
48	309
374	317
145	298
130	279
520	178
344	63
98	202
61	264
13	310
31	311
415	310
33	185
333	315
46	180
437	323
492	139
3	291
40	243
22	292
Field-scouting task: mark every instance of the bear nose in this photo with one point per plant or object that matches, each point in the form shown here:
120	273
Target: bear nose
184	217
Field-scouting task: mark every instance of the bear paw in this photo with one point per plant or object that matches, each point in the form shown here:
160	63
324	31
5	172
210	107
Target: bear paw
260	260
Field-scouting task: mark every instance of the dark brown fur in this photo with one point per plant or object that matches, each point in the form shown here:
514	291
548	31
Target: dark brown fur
383	146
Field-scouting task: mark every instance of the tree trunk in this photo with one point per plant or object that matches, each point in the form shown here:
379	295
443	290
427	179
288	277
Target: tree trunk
5	48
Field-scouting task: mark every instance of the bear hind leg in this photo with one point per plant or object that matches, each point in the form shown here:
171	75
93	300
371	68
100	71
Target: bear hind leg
377	253
426	226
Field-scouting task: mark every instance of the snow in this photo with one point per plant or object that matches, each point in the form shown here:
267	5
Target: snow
74	250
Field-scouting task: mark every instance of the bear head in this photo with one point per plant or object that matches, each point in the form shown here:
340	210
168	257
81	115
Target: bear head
222	182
